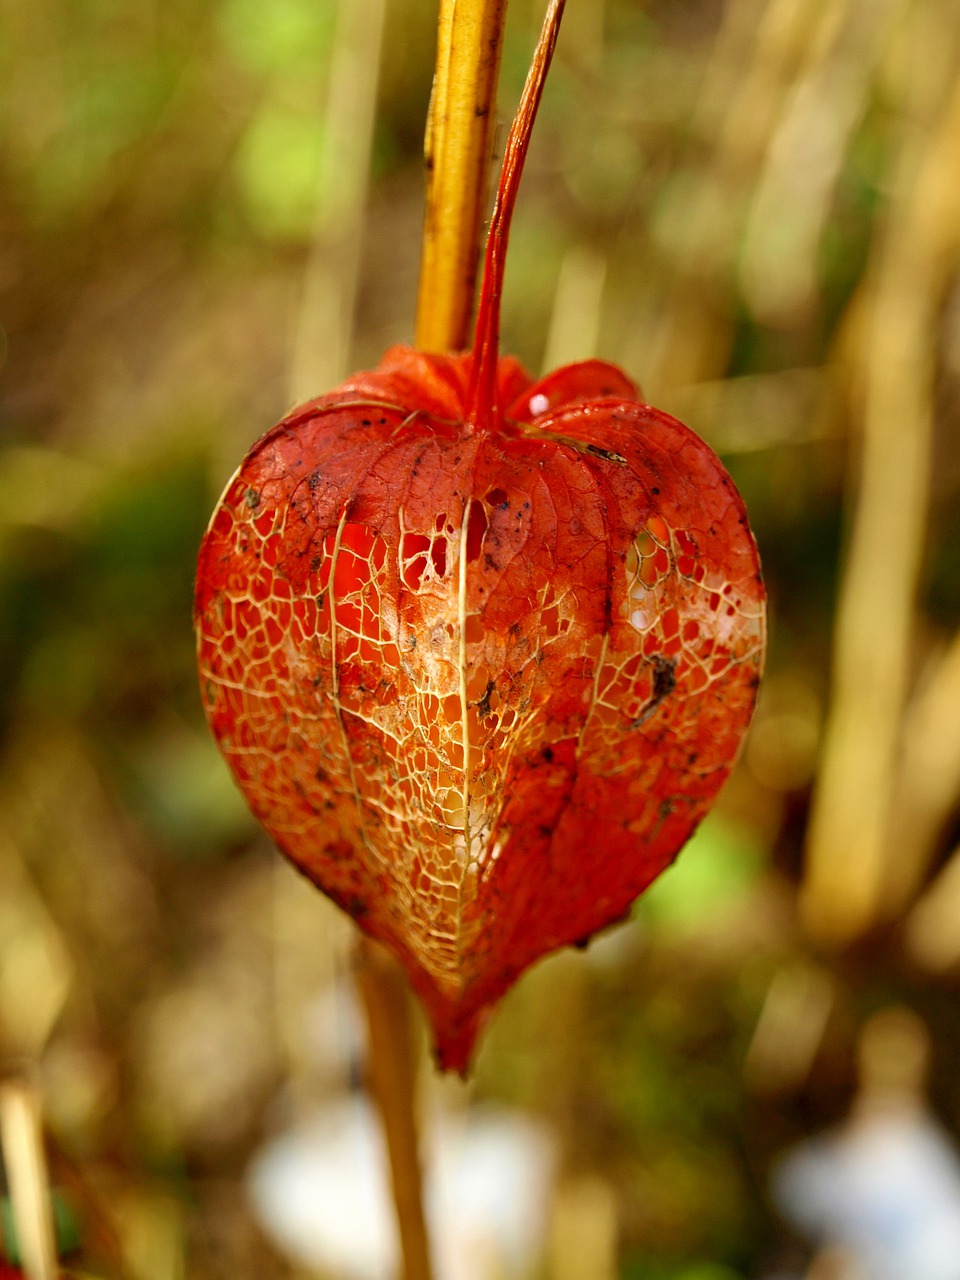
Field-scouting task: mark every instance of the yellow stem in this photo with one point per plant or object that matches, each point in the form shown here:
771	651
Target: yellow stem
391	1066
458	152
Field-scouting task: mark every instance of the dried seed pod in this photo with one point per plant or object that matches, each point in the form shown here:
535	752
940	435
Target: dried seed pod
480	651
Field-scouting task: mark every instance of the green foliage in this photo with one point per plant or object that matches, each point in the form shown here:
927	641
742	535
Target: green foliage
282	39
720	864
279	166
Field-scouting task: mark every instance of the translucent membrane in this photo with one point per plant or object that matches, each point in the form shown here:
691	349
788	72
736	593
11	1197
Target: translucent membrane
479	686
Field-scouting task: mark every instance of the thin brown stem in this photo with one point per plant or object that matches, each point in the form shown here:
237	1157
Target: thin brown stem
483	395
392	1080
458	152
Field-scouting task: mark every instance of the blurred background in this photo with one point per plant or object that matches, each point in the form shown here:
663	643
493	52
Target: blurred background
212	208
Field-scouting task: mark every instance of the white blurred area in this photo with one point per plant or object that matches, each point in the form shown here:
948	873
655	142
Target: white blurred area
320	1187
880	1195
321	1191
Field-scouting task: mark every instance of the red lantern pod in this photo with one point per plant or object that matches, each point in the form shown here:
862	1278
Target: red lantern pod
480	651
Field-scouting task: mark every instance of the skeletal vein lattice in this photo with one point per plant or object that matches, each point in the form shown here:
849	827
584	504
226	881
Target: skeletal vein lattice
479	685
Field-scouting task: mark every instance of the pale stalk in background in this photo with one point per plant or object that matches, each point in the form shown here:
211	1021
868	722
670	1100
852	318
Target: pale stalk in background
458	152
577	308
584	1230
790	1028
795	196
759	55
22	1133
928	785
324	327
930	930
786	87
850	858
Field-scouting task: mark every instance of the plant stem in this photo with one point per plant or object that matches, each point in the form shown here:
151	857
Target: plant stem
458	151
486	344
23	1154
391	1064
